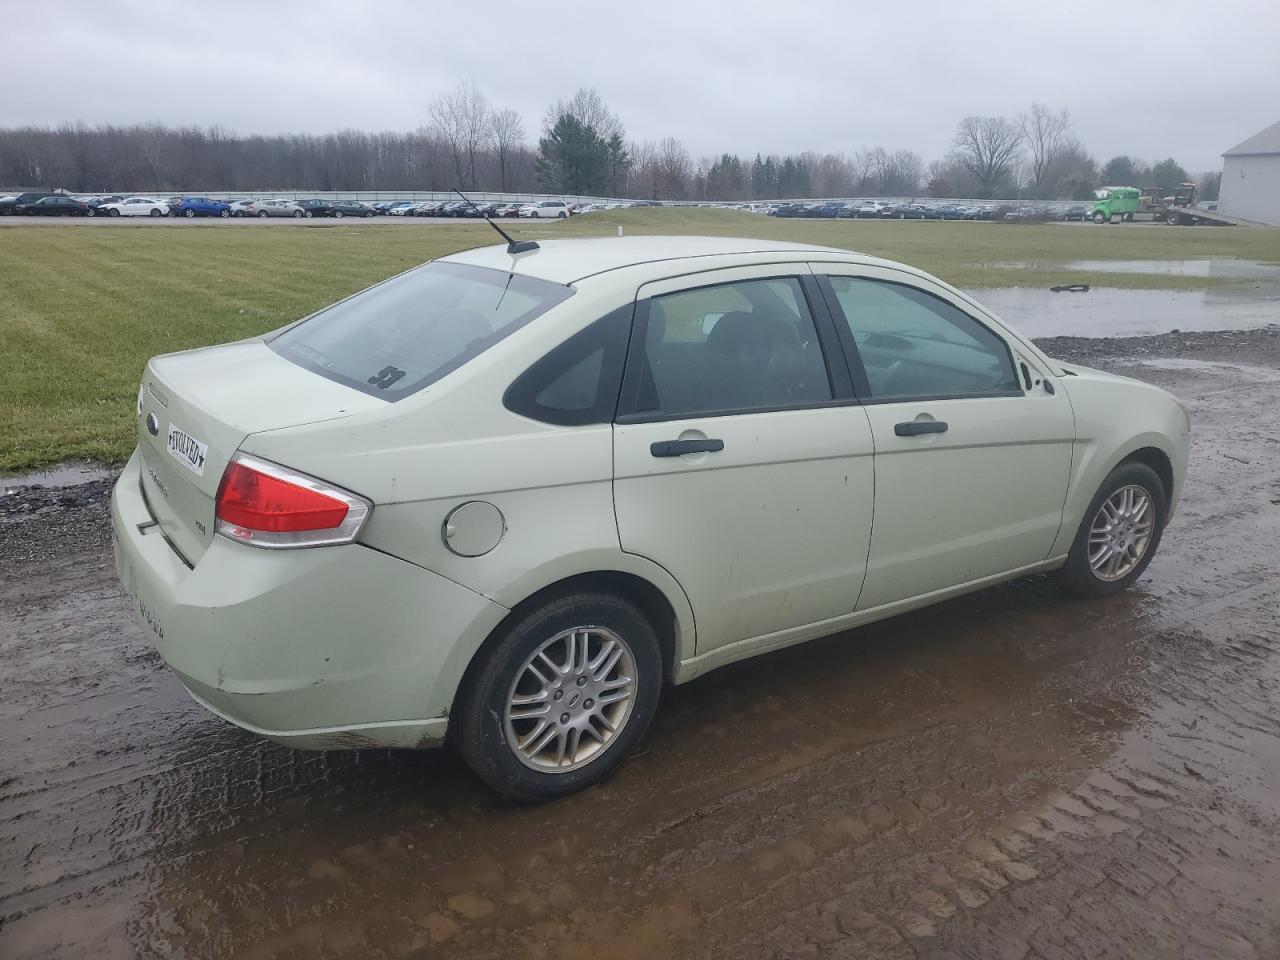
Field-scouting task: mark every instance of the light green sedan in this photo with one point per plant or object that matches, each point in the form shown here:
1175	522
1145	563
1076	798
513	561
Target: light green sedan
502	499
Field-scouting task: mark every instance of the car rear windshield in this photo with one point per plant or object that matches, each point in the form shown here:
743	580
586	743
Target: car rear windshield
401	335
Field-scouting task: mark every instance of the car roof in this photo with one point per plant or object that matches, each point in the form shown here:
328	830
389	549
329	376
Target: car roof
570	260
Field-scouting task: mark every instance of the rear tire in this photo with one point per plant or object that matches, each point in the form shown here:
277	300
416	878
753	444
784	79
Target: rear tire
1086	573
297	214
511	677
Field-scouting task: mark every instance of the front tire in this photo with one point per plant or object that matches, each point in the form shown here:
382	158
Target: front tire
1119	534
1099	218
561	697
154	213
188	213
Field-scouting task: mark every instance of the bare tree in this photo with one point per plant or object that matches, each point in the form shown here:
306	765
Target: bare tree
152	139
987	147
508	133
464	120
673	167
640	175
588	108
1046	134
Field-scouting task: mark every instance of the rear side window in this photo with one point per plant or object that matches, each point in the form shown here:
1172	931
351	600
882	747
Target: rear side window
913	344
396	338
728	348
577	382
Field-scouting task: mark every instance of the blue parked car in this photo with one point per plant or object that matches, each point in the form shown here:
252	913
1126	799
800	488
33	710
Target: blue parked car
199	207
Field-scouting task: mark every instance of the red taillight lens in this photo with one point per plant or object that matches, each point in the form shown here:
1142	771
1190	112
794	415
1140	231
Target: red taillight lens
258	501
267	505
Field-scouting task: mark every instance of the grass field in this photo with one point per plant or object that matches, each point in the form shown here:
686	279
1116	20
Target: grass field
83	307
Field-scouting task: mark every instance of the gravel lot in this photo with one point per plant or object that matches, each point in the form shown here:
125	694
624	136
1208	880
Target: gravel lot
1012	774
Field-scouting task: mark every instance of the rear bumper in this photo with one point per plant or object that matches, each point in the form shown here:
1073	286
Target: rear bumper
332	647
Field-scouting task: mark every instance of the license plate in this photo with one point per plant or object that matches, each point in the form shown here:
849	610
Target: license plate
187	450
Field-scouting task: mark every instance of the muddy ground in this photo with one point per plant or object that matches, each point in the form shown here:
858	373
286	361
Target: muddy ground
1012	774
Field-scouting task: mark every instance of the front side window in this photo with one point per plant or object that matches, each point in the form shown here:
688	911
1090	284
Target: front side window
734	347
408	332
913	344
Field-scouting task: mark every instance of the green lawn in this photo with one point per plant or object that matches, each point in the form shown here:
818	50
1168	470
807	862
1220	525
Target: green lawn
83	307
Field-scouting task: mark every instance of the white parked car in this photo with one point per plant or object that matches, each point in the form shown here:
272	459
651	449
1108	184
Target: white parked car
274	208
242	208
507	496
134	207
546	208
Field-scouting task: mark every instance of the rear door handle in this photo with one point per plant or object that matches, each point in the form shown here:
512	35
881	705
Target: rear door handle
913	428
677	448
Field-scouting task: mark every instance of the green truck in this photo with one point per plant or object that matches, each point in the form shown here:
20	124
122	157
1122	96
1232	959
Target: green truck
1112	202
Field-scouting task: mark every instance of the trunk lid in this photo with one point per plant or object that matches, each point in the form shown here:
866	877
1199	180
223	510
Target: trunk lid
197	409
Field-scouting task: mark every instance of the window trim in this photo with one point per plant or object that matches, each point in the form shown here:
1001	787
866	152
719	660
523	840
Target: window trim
842	392
853	356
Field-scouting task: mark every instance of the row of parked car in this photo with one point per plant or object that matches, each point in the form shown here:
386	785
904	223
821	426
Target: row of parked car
117	205
879	210
500	208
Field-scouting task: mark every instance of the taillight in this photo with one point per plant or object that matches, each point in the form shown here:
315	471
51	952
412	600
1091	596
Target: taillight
267	505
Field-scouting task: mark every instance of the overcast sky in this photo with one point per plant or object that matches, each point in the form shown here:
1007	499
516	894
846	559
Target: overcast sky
1152	78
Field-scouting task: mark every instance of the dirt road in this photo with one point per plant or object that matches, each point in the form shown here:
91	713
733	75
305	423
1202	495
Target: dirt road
1013	774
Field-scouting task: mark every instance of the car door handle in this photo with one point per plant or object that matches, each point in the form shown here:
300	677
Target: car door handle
914	428
677	448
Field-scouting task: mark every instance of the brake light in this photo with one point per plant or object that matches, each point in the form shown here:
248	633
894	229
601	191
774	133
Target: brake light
267	505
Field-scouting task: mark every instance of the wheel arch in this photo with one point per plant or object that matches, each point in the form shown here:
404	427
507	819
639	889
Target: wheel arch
1158	461
651	600
658	596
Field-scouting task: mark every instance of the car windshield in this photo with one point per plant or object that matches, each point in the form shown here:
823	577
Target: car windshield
401	335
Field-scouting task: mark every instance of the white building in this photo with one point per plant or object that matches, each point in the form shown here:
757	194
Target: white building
1251	178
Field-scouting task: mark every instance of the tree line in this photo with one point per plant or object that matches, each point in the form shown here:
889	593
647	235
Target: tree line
581	149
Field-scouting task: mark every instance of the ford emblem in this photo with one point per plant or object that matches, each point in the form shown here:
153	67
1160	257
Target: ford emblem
153	424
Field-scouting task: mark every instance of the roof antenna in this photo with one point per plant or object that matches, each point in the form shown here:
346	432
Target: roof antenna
513	246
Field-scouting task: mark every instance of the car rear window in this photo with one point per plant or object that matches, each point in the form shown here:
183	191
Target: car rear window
401	335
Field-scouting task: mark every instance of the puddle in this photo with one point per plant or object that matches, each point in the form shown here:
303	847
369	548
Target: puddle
59	475
1104	312
1235	370
1225	268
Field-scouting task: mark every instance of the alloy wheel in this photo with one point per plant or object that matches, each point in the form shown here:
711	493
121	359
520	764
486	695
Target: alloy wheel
1121	533
570	699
